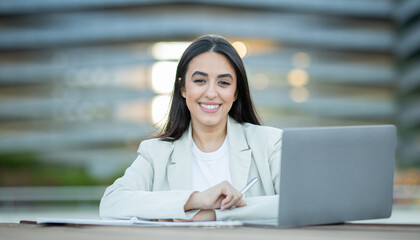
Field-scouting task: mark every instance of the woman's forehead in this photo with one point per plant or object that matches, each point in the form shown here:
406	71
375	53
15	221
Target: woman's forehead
211	63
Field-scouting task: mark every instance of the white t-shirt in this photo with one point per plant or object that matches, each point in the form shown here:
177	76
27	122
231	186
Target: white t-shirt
210	168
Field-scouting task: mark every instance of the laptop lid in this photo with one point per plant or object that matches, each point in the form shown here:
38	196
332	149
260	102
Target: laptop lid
336	174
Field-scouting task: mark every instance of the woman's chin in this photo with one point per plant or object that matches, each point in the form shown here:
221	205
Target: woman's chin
211	122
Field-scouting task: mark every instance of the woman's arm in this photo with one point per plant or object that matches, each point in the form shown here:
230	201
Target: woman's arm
132	195
261	207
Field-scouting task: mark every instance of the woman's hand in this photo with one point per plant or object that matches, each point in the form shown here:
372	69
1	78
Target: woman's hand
221	196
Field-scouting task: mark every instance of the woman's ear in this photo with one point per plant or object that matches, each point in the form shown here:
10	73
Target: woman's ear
183	92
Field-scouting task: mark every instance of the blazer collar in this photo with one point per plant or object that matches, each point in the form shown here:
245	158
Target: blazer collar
239	154
180	164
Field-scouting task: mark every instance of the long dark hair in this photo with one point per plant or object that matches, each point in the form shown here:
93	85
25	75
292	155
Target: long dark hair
179	116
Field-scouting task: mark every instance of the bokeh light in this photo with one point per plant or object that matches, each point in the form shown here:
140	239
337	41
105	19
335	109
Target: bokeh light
240	48
160	108
163	77
169	50
298	77
299	94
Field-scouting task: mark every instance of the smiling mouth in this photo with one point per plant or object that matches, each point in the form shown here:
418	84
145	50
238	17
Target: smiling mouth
210	107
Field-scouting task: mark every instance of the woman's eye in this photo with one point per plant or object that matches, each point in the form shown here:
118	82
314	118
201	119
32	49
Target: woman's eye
224	83
199	80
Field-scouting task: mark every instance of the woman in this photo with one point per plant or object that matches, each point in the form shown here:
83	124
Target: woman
211	146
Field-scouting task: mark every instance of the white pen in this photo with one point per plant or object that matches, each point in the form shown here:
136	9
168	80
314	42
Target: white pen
249	185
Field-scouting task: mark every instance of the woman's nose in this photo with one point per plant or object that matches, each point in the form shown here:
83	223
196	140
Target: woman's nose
211	91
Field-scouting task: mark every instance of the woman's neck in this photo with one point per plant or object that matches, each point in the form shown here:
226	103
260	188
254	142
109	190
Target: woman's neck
209	139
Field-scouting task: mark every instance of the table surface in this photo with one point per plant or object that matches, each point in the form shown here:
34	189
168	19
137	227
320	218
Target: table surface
343	231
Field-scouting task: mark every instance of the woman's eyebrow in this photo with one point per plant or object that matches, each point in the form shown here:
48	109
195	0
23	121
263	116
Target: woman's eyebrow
218	76
199	73
225	75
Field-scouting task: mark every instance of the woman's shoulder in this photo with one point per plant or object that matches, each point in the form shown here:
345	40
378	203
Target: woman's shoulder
263	139
155	145
262	131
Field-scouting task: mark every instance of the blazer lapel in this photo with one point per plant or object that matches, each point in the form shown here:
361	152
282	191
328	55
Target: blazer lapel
239	154
180	165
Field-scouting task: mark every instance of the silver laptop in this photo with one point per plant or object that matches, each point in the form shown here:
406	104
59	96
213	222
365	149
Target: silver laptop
335	174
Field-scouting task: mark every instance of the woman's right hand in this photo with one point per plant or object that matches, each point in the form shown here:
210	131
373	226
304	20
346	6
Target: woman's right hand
221	196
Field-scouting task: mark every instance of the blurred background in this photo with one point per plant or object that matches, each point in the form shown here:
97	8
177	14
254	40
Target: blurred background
82	82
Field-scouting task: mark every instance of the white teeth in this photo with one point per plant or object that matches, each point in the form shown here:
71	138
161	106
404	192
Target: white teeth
209	106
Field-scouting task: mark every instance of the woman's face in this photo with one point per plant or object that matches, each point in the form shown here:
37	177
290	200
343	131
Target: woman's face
210	89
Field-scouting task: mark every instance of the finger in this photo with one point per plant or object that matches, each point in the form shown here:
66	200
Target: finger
227	196
230	204
226	201
241	203
237	201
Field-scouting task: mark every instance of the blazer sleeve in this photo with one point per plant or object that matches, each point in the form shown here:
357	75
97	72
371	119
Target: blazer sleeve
261	207
132	195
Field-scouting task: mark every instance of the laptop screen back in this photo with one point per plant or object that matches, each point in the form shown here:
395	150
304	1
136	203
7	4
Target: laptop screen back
336	174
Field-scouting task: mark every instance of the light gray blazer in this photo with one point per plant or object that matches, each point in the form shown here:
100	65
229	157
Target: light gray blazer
159	182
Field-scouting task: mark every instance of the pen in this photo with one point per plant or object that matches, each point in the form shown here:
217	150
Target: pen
249	185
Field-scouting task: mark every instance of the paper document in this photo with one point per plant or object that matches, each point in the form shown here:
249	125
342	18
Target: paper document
135	222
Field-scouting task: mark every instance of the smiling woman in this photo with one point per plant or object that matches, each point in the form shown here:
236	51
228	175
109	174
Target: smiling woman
212	48
210	90
211	145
